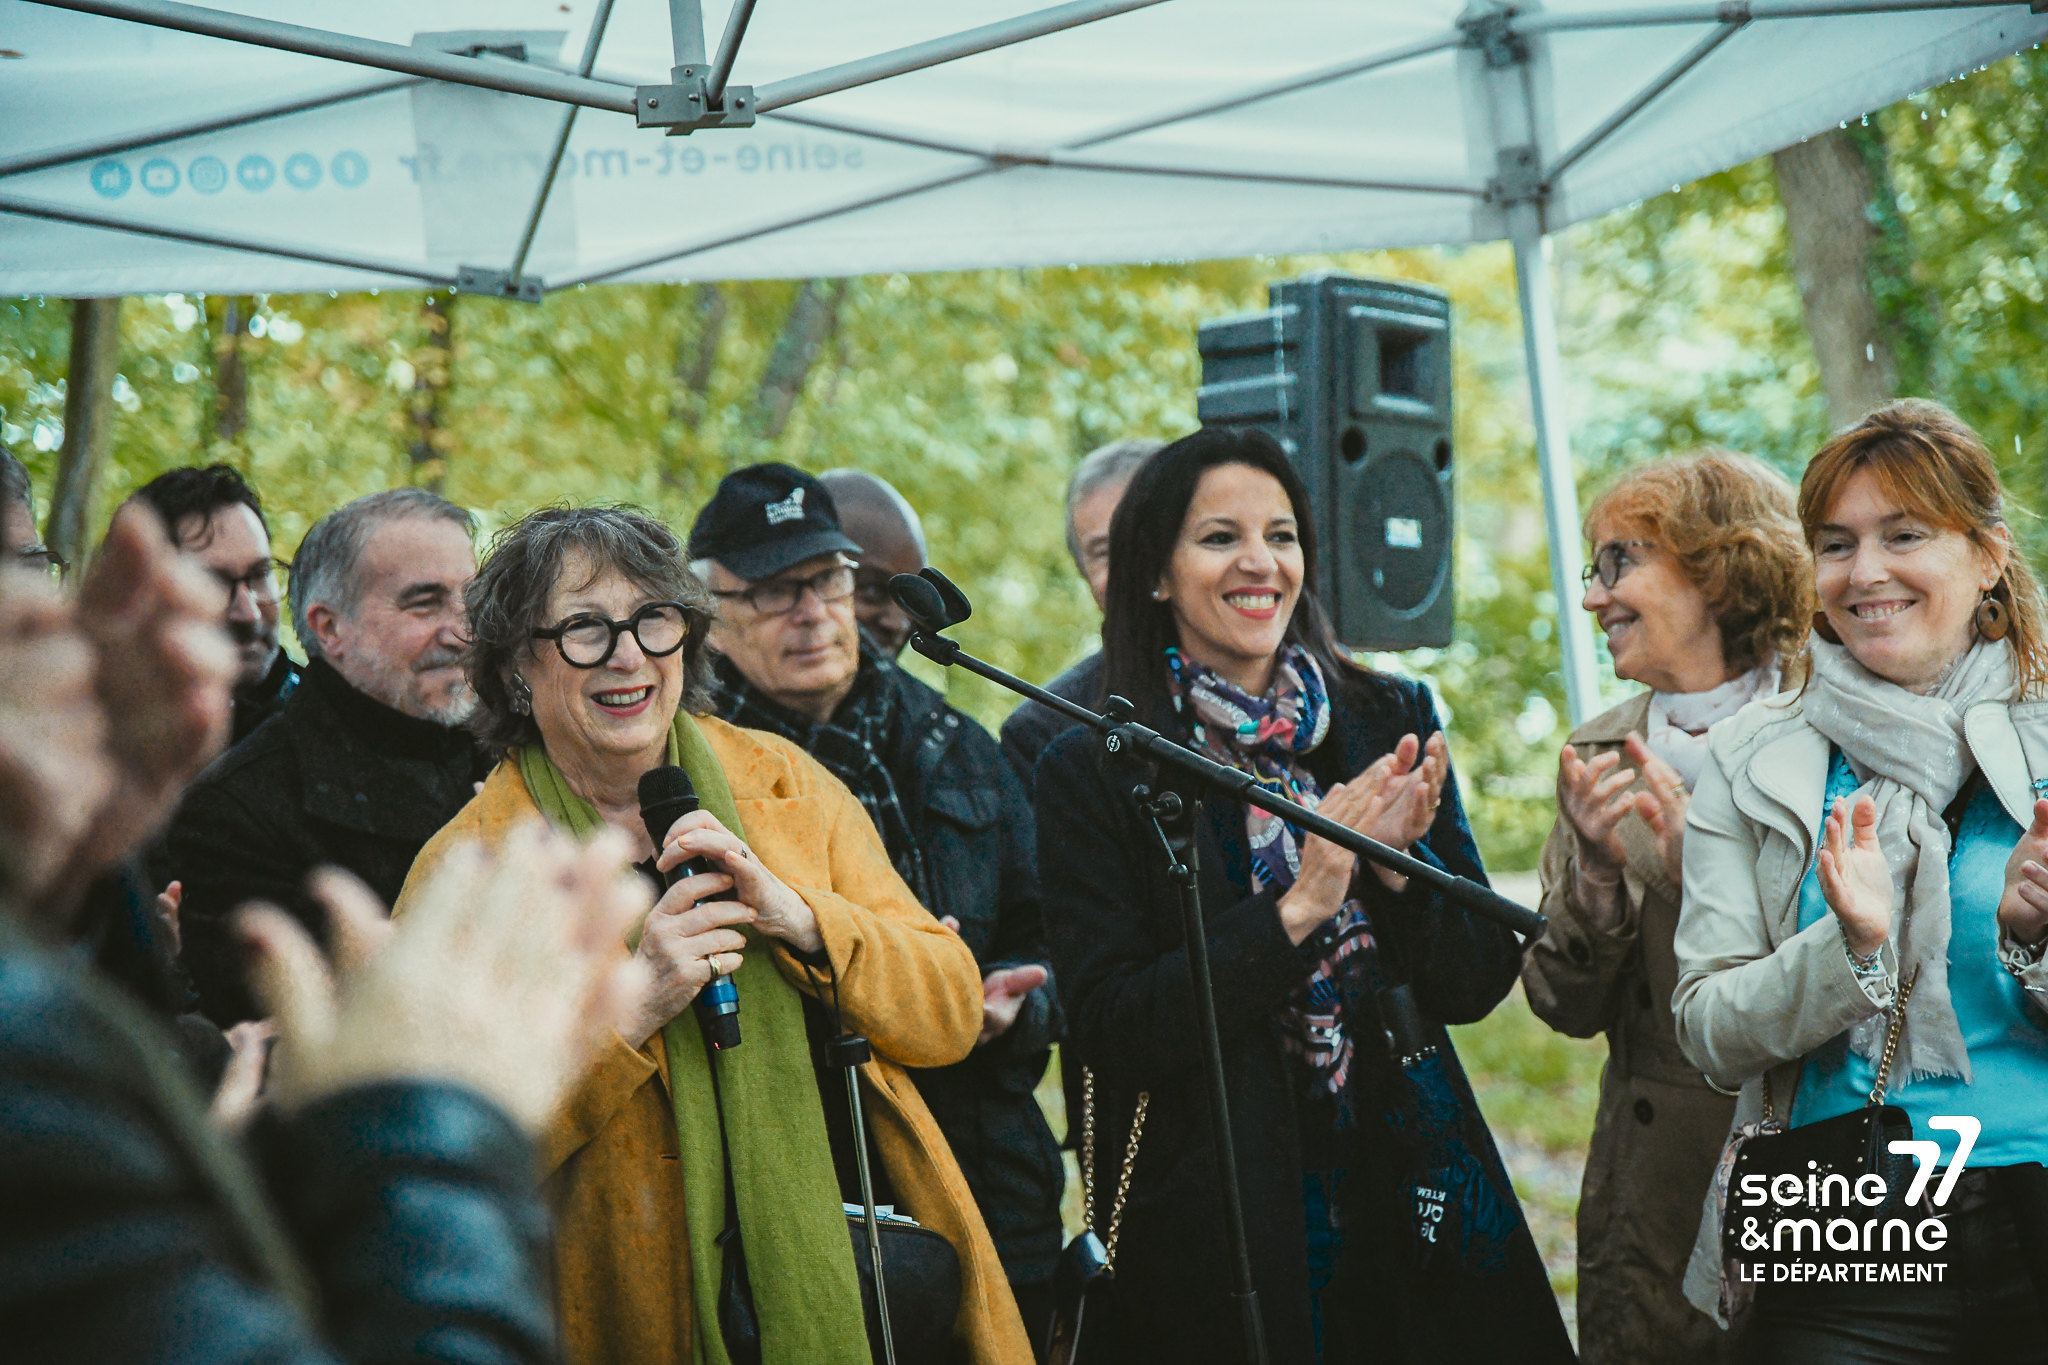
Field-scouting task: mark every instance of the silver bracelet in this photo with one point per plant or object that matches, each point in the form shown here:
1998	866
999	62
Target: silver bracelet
1870	965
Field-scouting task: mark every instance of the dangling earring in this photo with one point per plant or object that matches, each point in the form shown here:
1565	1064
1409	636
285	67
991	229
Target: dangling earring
522	696
1823	629
1994	622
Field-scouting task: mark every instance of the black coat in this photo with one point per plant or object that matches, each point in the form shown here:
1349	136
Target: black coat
1114	929
1033	725
133	1232
333	778
975	830
266	698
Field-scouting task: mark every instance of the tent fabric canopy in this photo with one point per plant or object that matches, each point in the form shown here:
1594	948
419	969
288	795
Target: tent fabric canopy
501	146
1189	129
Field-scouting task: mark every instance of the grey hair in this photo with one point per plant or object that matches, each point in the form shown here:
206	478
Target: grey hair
853	487
324	569
508	600
1099	468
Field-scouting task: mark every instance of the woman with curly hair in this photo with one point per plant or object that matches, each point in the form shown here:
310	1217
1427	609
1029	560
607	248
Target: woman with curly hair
1701	582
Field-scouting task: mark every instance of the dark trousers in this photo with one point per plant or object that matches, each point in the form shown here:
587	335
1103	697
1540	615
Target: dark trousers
1985	1309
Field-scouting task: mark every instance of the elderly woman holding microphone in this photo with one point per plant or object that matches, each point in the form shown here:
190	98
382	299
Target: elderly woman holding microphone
1864	871
1701	582
587	638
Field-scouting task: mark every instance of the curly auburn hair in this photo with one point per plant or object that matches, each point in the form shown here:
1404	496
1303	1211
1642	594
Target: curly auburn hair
1932	464
1727	519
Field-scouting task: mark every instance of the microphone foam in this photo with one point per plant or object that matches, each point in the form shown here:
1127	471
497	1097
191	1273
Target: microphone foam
919	600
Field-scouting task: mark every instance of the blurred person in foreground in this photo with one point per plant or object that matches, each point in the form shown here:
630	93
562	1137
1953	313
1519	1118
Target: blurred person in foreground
1093	493
891	538
1344	1141
382	1209
790	660
19	543
1701	581
213	515
369	756
587	650
1872	845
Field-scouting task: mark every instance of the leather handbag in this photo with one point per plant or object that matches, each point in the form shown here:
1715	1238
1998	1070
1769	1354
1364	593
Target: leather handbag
1084	1277
922	1272
1851	1145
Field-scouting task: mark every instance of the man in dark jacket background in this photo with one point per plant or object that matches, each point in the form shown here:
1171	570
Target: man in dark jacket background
1092	495
789	660
213	515
368	757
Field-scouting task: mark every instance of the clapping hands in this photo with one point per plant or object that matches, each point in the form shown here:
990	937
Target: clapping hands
1393	801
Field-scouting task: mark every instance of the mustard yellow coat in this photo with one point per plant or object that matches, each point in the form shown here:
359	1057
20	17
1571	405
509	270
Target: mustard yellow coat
622	1259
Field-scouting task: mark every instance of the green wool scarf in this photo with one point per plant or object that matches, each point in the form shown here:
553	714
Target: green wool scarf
799	1255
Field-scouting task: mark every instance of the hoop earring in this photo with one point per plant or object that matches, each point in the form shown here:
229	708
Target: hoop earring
1823	629
522	696
1994	622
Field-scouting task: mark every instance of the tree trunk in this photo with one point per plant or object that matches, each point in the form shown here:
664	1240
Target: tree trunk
432	364
1828	191
697	357
88	422
230	372
811	322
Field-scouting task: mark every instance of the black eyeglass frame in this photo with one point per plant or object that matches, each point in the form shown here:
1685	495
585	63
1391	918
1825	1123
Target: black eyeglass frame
801	586
617	628
42	558
1615	554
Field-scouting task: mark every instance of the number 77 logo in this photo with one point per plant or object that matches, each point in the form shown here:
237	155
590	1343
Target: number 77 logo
1926	1155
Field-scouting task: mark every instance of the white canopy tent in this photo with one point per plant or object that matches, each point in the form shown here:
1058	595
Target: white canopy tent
516	147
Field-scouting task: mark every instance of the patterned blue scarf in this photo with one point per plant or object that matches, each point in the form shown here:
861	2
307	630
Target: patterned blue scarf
1268	736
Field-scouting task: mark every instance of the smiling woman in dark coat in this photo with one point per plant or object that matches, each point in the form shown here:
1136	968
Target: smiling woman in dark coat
1214	636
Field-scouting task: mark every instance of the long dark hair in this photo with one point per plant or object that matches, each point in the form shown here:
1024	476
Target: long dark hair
1136	630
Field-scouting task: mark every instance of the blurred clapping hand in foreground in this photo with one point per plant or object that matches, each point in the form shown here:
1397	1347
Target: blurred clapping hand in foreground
412	1064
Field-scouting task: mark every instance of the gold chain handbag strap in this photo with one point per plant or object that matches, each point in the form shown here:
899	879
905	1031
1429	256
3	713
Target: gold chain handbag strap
1891	1037
1087	1147
1893	1029
1123	1181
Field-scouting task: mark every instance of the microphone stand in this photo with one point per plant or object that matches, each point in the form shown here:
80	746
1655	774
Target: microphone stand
934	603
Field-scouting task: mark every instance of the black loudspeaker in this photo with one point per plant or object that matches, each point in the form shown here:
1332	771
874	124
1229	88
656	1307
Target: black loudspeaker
1353	378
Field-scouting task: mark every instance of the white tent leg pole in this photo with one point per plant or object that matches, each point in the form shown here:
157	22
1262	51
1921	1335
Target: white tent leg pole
1554	459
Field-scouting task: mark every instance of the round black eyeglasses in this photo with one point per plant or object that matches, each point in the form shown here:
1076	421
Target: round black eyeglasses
590	641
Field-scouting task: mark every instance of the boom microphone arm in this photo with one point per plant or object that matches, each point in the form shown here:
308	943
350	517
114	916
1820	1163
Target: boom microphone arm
934	603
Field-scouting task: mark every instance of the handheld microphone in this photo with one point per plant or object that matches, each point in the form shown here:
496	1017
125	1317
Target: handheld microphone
666	796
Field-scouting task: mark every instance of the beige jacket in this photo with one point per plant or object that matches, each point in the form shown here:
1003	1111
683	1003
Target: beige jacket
1756	993
1660	1127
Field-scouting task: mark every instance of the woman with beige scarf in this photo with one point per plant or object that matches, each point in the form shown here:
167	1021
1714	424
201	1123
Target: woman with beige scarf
1881	827
1701	585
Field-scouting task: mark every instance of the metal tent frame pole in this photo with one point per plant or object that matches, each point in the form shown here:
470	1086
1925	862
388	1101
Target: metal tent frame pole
484	70
1554	458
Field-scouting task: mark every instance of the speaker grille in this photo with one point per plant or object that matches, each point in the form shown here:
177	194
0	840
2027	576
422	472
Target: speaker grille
1403	530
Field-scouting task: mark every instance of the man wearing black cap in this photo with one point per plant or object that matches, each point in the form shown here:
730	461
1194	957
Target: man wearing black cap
788	659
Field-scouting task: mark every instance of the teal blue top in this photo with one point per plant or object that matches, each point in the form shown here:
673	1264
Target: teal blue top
2008	1047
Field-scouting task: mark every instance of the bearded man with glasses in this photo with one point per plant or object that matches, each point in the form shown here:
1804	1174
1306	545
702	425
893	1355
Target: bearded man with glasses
213	515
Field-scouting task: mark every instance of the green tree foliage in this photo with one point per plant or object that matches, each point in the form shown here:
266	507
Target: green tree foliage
976	392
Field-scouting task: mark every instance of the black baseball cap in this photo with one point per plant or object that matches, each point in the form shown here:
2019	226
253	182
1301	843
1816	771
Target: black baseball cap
765	518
